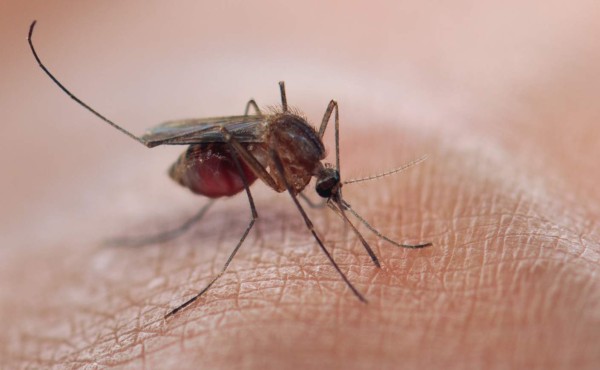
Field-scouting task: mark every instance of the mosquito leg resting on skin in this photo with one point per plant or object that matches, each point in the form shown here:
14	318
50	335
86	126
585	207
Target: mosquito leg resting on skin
254	216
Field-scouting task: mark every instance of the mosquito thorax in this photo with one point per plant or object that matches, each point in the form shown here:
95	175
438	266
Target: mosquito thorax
328	182
299	148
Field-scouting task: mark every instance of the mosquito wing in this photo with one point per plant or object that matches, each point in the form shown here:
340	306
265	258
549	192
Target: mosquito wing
246	129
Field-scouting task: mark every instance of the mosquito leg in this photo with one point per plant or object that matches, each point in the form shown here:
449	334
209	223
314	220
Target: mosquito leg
254	215
380	235
221	273
340	211
259	170
333	105
161	237
309	225
252	103
284	104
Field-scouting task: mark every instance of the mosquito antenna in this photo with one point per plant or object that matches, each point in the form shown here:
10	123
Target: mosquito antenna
387	173
283	96
339	209
380	235
63	88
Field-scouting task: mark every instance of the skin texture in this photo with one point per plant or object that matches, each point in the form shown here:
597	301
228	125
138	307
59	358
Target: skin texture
507	114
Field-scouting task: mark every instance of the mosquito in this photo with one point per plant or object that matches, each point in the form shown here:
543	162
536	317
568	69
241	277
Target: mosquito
226	155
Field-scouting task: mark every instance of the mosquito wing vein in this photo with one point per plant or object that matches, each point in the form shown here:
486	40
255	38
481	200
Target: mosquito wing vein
203	130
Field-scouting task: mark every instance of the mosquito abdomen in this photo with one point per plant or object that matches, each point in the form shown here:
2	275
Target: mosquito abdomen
210	170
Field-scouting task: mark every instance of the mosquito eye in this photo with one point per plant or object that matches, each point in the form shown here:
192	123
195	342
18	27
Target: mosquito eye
323	190
326	185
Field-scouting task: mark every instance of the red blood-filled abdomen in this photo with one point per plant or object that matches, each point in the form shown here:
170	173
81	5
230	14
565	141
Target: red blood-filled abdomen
210	170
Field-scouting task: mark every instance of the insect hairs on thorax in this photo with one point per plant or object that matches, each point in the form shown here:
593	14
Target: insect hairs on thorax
299	147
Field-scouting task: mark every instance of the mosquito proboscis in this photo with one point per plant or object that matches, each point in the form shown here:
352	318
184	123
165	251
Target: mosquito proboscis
226	155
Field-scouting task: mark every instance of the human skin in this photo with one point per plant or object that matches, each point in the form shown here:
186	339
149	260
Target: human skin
507	197
510	281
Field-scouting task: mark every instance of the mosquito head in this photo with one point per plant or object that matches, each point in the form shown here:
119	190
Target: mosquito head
328	182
